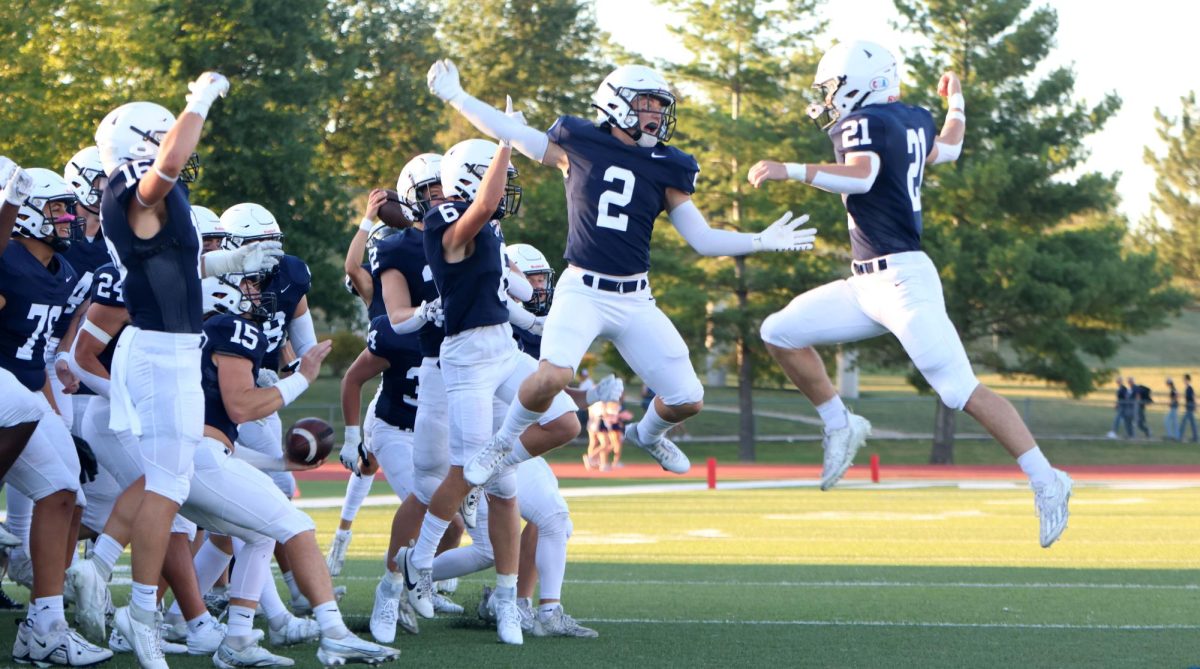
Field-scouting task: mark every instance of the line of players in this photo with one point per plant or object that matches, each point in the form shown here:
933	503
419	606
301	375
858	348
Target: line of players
109	331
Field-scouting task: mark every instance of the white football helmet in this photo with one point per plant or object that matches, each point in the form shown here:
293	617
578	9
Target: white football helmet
615	99
463	167
531	261
208	223
852	75
379	232
85	174
237	294
249	222
412	186
134	131
32	220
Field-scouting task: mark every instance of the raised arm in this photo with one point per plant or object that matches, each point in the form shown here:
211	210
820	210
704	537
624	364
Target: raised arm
782	235
15	186
502	126
360	277
462	232
948	145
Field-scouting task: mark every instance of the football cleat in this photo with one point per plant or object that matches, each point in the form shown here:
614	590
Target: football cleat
385	613
143	637
62	646
665	452
841	446
558	623
336	652
206	639
484	611
408	617
418	584
294	631
8	539
443	604
469	509
337	552
447	586
525	608
91	598
503	606
252	655
484	464
118	644
1051	502
20	568
20	651
7	603
217	601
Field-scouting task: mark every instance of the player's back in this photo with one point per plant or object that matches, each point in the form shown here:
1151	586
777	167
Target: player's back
615	191
887	218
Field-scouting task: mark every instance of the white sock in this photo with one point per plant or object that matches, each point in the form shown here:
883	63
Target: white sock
545	610
652	427
290	579
516	421
49	611
506	581
432	529
1036	467
518	454
210	562
105	554
271	603
196	624
357	489
144	597
241	621
329	618
833	414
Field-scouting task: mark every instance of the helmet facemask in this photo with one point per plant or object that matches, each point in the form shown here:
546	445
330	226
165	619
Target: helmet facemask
637	103
256	303
539	304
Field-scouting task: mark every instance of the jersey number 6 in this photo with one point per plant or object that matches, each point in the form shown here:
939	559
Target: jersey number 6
612	198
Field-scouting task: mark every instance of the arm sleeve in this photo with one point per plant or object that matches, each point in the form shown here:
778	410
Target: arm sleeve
529	141
518	316
98	384
518	286
409	326
690	223
301	333
837	183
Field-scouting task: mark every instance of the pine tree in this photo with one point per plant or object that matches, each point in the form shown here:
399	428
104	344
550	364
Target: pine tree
1175	221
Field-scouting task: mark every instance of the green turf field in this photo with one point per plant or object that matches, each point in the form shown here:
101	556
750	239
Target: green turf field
856	577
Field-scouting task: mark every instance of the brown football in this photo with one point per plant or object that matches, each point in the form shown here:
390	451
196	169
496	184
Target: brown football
392	212
309	440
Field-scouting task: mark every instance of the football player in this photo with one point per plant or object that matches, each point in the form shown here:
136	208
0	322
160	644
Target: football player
480	361
36	283
619	175
212	233
883	146
147	223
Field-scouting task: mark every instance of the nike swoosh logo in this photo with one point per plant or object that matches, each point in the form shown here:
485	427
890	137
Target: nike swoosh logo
407	583
655	155
40	643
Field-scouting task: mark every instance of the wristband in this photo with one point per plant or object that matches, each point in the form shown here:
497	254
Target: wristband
61	356
164	177
198	107
797	171
956	102
353	434
366	224
291	387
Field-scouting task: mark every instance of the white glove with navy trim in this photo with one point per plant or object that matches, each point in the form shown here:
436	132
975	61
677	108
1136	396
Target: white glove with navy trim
782	235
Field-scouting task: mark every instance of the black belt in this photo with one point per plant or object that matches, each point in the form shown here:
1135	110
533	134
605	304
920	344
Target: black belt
869	266
608	285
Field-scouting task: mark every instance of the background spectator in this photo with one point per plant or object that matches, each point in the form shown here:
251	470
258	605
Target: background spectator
1171	422
1189	408
1141	397
1123	411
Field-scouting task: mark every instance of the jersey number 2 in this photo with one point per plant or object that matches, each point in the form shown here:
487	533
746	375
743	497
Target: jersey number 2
612	198
916	168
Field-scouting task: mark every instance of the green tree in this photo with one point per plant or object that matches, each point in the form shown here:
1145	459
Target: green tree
1175	221
1026	252
743	105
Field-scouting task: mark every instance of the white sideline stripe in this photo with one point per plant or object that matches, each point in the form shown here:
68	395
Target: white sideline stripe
824	584
891	623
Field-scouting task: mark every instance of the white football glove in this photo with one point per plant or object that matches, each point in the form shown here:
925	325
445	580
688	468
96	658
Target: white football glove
610	389
246	259
782	235
18	188
351	443
443	82
431	312
204	91
267	378
7	167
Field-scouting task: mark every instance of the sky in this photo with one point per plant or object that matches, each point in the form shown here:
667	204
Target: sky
1143	56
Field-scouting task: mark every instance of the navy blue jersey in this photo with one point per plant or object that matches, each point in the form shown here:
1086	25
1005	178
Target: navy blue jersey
36	298
225	334
162	274
376	307
528	342
887	218
614	193
397	403
472	289
290	282
405	252
88	256
106	291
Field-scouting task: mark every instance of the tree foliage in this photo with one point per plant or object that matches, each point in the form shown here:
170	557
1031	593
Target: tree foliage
1175	222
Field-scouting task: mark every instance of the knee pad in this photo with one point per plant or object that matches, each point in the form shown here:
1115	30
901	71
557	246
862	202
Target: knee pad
503	484
558	524
181	525
953	382
689	391
770	333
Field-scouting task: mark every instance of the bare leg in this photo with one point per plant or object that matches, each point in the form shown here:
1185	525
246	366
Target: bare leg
538	389
149	548
180	573
120	522
406	526
504	529
73	532
998	416
308	564
806	371
527	575
48	542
